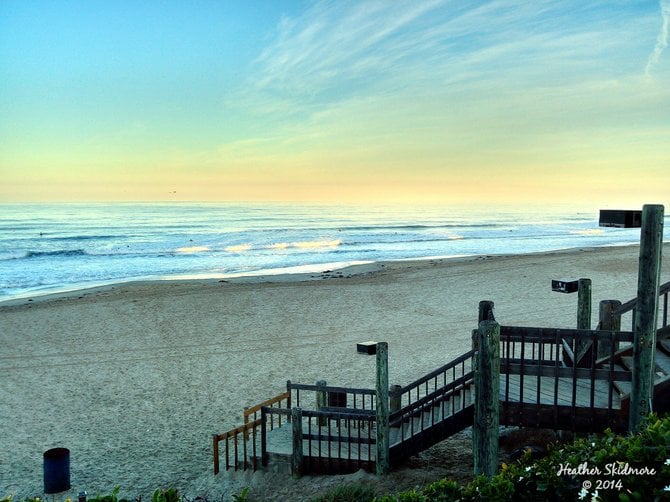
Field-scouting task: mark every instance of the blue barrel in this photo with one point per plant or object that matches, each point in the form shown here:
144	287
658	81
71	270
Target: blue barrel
56	470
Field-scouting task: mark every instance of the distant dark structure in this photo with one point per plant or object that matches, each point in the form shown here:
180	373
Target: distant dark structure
620	218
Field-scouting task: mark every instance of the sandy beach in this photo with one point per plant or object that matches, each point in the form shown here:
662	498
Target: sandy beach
135	378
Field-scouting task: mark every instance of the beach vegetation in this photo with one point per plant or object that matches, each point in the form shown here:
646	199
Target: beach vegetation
243	496
349	493
112	497
167	495
604	467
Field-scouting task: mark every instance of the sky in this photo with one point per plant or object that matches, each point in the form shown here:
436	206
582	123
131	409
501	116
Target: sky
335	101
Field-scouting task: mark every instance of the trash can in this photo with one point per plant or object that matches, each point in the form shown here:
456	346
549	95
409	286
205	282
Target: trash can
56	470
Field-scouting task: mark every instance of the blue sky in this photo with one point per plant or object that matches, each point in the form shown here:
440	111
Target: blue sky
334	101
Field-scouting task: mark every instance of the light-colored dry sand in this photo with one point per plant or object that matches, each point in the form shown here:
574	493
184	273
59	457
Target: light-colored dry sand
134	379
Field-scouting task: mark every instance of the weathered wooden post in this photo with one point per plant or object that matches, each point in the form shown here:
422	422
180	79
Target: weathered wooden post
582	345
296	456
485	314
382	394
395	400
321	400
607	322
288	401
584	304
486	311
487	400
644	341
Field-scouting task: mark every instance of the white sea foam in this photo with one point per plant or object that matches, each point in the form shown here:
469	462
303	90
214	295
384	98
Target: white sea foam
56	247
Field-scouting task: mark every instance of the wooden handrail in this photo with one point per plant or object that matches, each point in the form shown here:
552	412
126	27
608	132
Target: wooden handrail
631	304
285	412
277	399
340	414
443	369
238	430
449	389
328	388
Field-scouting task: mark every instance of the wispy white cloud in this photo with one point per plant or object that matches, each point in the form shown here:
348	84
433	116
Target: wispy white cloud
333	41
370	79
336	50
662	40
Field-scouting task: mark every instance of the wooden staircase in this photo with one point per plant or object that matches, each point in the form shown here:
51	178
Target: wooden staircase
624	361
539	387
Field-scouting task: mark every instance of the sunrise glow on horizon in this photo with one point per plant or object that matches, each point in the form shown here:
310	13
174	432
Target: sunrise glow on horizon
335	101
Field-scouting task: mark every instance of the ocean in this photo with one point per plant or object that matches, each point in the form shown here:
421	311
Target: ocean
46	248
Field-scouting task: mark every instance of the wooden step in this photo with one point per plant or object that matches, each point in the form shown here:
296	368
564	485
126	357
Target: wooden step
661	366
626	362
394	435
662	361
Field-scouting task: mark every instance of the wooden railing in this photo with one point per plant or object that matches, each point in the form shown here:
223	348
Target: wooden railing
238	436
252	413
347	440
317	396
434	393
243	440
329	438
533	372
630	306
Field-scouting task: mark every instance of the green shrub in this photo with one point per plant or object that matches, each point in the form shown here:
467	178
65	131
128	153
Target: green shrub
169	495
113	497
243	496
631	468
348	493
